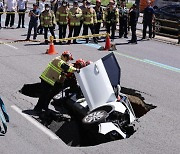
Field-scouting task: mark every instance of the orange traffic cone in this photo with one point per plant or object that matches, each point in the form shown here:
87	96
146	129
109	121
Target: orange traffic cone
51	50
108	42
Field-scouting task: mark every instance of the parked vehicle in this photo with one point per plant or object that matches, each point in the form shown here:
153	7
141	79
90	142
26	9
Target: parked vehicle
100	110
168	19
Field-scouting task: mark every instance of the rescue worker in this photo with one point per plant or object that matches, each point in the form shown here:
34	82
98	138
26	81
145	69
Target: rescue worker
99	15
41	9
62	19
52	79
82	7
123	20
33	23
89	19
148	19
48	21
133	18
111	18
75	15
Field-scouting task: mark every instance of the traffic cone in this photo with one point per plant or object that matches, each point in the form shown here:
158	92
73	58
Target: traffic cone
51	50
108	42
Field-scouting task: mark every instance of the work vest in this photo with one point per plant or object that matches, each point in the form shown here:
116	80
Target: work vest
89	16
111	15
99	14
53	71
75	15
47	18
62	15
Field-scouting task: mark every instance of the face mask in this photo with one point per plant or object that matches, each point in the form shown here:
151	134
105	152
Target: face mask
64	4
47	9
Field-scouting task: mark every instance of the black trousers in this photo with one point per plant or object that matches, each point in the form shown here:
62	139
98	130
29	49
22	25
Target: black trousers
10	16
51	29
47	93
123	26
31	26
75	30
85	31
145	25
62	31
97	27
133	30
0	19
111	26
21	17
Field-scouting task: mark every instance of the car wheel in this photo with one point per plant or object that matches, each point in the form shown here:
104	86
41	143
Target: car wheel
157	26
95	117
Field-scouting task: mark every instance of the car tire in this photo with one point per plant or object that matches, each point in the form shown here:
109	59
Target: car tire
158	26
95	117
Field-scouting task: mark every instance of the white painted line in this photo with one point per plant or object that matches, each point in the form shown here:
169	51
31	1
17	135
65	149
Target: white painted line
37	124
10	46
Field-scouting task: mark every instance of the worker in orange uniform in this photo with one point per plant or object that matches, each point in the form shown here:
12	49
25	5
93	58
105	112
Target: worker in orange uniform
52	79
62	19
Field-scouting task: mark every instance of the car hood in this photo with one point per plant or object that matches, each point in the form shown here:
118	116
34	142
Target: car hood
95	83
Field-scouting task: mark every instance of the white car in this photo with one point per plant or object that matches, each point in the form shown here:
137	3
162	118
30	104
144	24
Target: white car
99	107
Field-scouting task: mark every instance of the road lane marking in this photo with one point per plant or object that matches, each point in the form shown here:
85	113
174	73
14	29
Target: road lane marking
10	46
36	123
164	66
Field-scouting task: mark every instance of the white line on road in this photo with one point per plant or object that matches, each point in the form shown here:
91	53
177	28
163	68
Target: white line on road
11	46
37	124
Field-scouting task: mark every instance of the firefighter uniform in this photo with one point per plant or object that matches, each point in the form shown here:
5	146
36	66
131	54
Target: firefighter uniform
75	15
99	15
51	80
48	21
62	19
111	18
123	20
89	19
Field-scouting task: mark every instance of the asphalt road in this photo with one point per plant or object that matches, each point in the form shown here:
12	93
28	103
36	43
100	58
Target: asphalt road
150	67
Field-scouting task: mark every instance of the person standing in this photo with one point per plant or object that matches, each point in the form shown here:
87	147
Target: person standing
111	18
123	20
148	19
52	79
21	7
75	15
133	18
62	19
11	6
48	21
1	11
99	15
33	23
89	19
41	9
82	7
